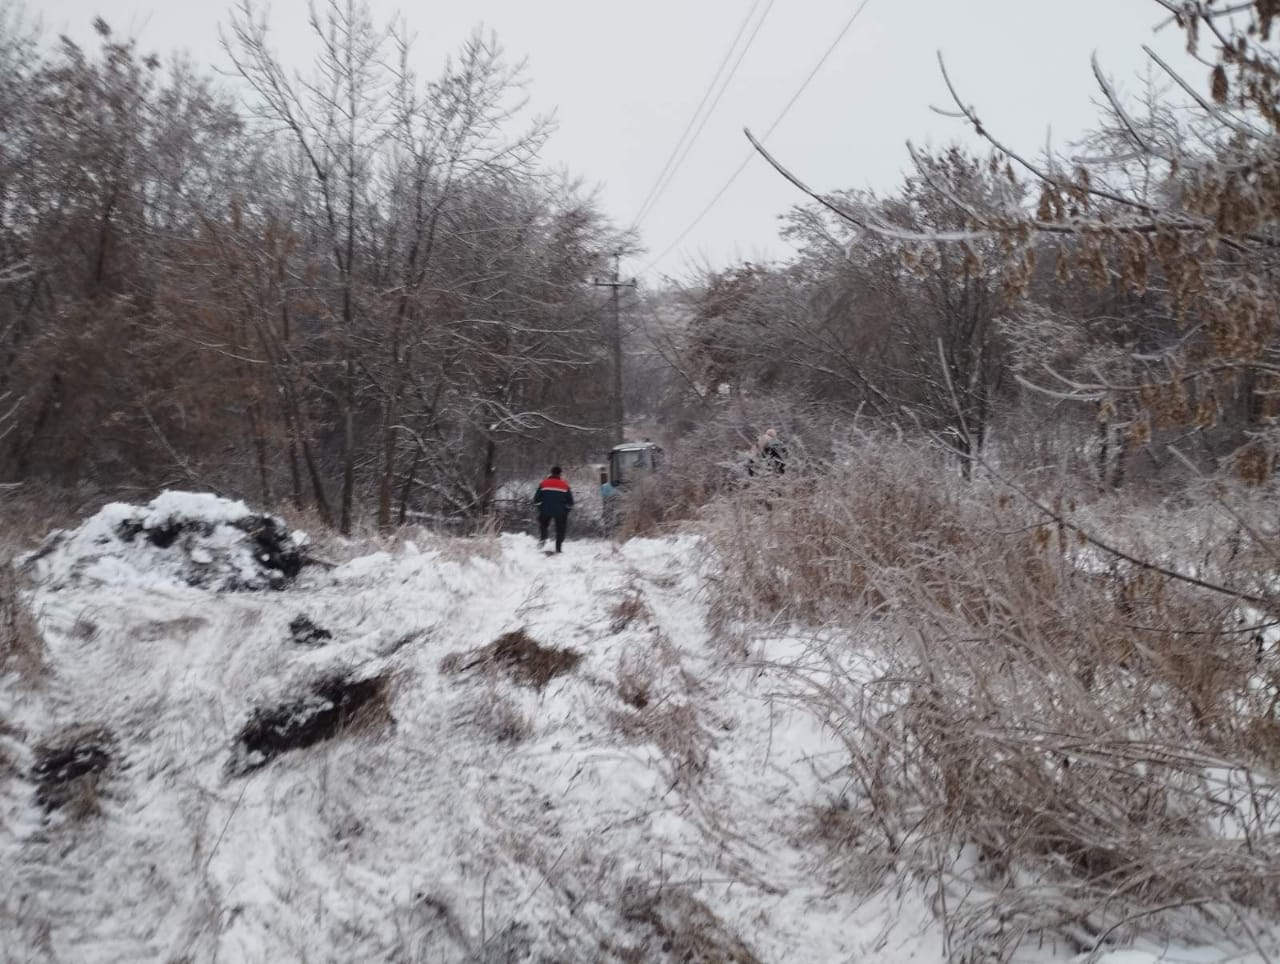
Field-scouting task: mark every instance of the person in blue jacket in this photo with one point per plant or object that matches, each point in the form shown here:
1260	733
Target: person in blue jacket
554	499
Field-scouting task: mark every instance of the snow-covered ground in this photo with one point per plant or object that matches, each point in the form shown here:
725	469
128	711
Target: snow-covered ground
652	802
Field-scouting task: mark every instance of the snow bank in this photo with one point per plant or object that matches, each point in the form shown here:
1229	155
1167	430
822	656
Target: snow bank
653	801
639	804
178	539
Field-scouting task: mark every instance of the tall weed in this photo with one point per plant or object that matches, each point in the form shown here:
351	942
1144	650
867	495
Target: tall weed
1057	737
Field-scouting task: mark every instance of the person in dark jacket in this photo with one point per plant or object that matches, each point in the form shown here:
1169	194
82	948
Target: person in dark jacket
554	499
770	450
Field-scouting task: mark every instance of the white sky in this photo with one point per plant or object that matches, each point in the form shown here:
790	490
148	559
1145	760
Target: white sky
625	78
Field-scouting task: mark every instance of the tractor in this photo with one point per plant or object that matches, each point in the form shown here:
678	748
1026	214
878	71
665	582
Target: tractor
628	464
633	460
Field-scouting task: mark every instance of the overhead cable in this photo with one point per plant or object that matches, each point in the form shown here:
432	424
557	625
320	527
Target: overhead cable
772	127
669	170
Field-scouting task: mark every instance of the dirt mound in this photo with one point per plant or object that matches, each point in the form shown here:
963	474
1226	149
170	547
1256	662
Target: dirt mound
194	539
332	706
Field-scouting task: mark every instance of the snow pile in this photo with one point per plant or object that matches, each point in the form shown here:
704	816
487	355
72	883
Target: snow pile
179	538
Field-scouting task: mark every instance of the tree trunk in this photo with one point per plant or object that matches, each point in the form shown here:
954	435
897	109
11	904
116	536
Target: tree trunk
408	486
295	474
348	447
489	476
260	450
389	442
317	484
22	451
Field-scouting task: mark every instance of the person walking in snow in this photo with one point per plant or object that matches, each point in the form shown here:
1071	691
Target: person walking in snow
554	499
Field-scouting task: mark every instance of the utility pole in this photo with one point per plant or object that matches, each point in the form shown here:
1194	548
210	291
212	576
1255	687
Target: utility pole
617	284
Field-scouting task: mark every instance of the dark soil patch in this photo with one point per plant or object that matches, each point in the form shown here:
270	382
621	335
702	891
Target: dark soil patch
67	773
526	660
161	536
277	556
275	546
333	706
306	633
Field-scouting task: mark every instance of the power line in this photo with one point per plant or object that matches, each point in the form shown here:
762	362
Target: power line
772	127
664	183
742	28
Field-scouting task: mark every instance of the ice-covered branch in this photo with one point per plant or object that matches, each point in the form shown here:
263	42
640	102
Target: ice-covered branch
864	222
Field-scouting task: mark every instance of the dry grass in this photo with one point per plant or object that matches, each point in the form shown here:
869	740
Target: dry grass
711	458
26	516
464	549
502	717
637	677
1053	737
631	608
647	505
70	771
678	927
25	519
519	656
326	546
22	648
662	708
812	546
676	729
331	548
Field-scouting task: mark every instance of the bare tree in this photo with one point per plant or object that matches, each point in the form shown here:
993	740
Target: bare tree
447	141
339	119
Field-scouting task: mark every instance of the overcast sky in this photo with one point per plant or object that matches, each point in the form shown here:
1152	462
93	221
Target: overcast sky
624	79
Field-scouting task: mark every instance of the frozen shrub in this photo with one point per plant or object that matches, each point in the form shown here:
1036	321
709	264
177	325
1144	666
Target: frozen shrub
811	546
1056	736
